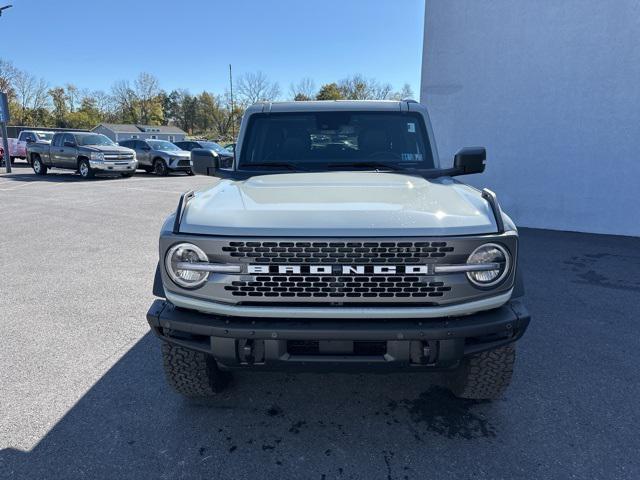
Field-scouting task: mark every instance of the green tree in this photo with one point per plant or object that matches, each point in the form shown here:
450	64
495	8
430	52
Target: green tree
329	91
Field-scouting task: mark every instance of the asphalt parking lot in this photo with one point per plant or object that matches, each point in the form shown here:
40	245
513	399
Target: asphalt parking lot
82	393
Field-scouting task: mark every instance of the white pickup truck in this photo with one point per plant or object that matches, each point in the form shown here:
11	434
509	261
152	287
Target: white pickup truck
18	146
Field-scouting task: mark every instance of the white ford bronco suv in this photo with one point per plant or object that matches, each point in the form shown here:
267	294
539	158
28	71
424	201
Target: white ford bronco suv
335	241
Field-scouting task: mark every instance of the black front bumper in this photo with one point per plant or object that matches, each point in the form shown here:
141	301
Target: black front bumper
261	343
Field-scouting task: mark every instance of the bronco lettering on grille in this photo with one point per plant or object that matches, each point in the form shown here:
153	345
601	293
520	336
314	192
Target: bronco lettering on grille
341	269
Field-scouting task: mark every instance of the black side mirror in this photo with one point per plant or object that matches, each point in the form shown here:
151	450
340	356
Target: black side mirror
470	160
67	143
204	162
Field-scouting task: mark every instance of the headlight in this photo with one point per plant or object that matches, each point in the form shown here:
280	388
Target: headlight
185	252
489	253
99	156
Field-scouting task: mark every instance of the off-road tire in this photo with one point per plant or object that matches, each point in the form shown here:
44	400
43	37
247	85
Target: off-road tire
484	376
190	373
39	168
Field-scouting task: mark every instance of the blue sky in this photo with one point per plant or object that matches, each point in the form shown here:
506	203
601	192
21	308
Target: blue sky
189	43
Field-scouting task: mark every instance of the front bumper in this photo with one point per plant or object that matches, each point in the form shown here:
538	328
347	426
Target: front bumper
259	343
116	166
180	165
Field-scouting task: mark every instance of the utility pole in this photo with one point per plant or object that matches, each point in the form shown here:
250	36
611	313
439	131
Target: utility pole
4	118
233	122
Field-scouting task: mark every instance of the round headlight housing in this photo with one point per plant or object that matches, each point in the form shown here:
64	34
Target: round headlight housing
186	253
489	253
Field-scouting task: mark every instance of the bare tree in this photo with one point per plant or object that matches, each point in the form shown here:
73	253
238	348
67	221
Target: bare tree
147	90
305	89
358	87
8	75
73	95
31	95
256	87
405	93
124	99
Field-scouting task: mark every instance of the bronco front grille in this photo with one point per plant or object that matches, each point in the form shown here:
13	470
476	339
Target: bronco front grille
336	252
338	287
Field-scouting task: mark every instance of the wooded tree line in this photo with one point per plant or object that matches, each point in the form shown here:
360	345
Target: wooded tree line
34	102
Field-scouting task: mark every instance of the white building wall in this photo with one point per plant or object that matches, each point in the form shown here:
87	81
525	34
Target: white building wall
552	89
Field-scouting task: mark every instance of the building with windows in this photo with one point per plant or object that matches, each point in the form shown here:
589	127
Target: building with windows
118	132
551	89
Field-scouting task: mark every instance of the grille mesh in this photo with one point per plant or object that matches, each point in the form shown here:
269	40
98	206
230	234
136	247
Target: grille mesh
336	252
337	286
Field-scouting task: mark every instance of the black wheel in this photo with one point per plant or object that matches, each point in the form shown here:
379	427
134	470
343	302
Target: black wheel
192	374
160	167
127	175
484	376
85	169
190	173
38	167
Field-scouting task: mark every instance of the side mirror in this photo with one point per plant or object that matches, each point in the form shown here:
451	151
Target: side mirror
67	143
204	162
470	160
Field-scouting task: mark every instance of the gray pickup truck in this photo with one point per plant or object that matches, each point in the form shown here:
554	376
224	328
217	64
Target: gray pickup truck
85	152
337	241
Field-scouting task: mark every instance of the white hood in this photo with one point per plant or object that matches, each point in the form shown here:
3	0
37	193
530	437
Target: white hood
339	204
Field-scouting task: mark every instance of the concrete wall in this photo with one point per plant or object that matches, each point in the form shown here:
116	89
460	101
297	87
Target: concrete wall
552	89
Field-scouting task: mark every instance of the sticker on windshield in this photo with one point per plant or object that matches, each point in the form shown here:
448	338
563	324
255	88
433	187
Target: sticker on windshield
411	127
411	157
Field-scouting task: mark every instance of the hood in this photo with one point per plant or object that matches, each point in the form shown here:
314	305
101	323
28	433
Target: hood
107	148
339	204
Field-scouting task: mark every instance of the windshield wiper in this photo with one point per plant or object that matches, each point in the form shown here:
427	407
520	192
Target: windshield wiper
366	164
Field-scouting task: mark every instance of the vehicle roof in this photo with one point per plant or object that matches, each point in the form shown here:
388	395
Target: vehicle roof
336	105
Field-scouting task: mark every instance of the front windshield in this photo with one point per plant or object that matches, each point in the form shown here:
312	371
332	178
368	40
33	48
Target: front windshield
92	139
162	145
215	147
321	140
46	136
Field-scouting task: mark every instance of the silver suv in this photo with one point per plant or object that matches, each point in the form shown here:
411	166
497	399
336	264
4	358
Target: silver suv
336	240
159	156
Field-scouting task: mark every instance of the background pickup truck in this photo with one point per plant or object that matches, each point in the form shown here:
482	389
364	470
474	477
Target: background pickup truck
29	136
87	153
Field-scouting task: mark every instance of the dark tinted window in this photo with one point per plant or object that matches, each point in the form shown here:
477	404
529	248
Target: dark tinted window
57	140
127	143
68	138
321	139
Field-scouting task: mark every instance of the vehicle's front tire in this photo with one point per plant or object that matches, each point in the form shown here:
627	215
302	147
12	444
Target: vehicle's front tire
160	167
190	173
484	376
84	169
190	373
39	168
127	175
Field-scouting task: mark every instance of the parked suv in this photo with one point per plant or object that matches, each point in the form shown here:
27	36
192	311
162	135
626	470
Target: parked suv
336	240
159	156
87	153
